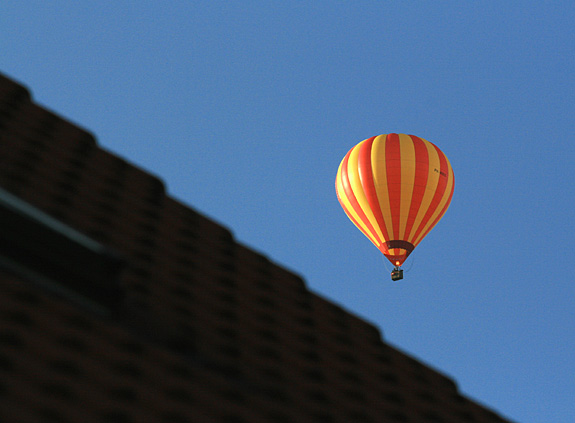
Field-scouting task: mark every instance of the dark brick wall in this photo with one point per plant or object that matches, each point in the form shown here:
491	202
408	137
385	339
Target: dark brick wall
208	331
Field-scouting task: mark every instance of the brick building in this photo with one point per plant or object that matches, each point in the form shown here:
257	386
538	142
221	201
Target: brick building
120	304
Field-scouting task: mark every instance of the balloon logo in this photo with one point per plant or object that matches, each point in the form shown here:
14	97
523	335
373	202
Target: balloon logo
395	188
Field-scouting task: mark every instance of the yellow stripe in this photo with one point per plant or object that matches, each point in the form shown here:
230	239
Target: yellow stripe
407	154
349	208
441	205
432	181
379	170
355	182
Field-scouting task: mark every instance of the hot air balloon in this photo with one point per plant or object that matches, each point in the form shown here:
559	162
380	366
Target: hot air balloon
395	188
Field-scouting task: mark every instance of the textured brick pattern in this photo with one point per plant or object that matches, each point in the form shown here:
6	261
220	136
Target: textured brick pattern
210	331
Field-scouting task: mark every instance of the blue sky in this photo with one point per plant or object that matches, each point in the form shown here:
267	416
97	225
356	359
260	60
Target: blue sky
245	109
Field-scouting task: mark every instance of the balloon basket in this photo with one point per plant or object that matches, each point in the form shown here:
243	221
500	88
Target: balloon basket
396	274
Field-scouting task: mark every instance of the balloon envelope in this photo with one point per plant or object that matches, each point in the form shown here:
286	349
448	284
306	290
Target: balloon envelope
395	188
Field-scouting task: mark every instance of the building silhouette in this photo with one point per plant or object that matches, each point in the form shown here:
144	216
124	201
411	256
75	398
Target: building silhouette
120	304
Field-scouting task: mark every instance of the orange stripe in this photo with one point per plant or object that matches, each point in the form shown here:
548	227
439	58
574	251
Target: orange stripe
353	200
444	209
393	170
368	184
419	185
431	185
347	207
439	191
350	215
439	216
345	203
378	165
407	154
357	188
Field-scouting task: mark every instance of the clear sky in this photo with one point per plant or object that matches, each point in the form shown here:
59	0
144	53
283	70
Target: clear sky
246	108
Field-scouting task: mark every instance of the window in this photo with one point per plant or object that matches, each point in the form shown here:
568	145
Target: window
58	257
